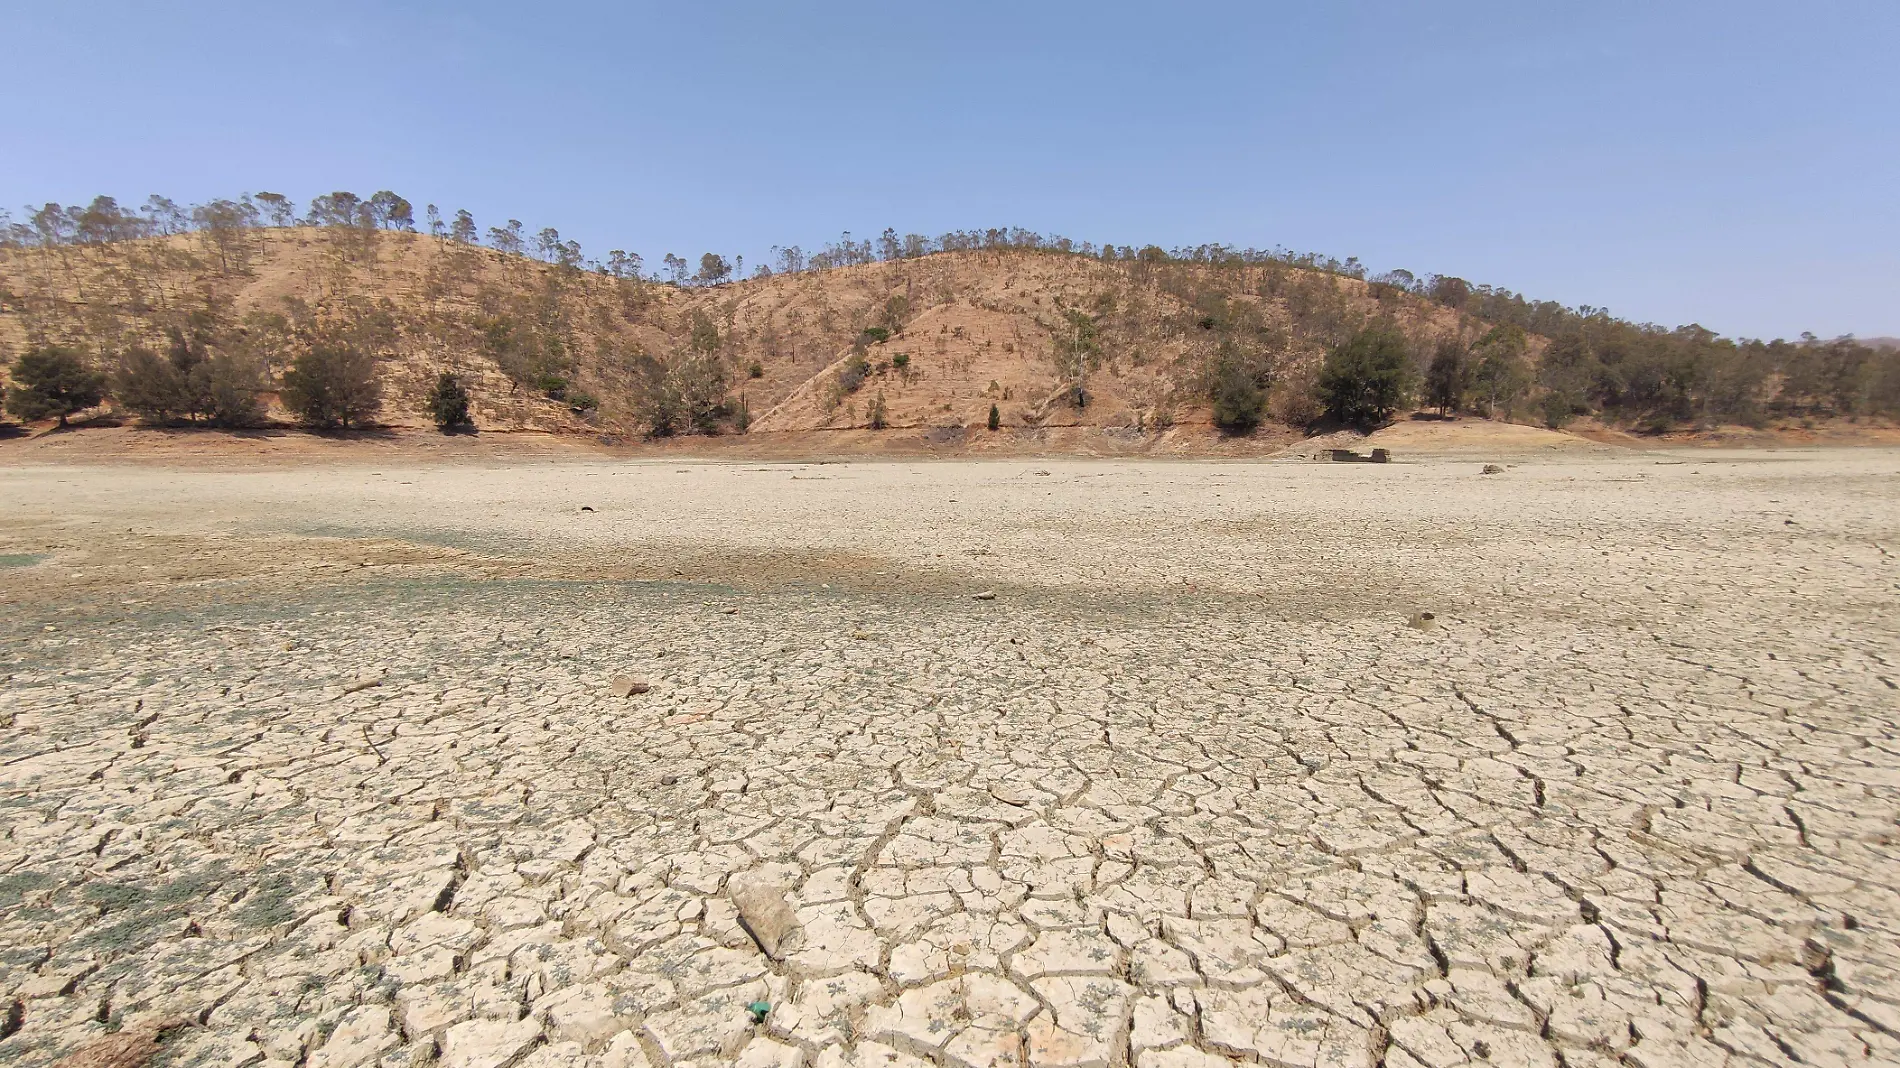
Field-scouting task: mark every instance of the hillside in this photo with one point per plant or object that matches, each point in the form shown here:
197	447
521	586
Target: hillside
1052	340
1072	350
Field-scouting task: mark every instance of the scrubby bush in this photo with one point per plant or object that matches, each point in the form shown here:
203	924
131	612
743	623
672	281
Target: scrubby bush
1500	373
1559	408
878	418
875	335
333	385
231	388
855	371
1367	377
149	385
1446	380
689	393
996	417
222	390
53	381
1295	399
448	404
1238	400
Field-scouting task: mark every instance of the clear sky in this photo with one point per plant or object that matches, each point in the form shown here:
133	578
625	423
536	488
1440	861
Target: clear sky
1732	163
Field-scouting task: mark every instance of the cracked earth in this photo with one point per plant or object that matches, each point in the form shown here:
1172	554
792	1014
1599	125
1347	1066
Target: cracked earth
324	767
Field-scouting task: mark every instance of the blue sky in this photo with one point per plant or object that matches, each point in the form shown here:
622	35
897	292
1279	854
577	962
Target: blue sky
1735	164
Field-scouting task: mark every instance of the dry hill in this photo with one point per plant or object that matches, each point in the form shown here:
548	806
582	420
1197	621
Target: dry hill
1126	347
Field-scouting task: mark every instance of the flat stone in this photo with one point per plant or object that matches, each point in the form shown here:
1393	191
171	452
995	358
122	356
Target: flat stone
765	914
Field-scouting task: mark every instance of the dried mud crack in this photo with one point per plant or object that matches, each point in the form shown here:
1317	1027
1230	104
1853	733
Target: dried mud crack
1188	792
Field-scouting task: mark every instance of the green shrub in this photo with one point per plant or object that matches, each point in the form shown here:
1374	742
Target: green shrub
1238	401
1448	377
1559	408
996	417
875	335
333	385
448	404
1367	377
53	381
901	361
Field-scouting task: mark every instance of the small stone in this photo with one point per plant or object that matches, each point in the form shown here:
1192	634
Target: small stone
1012	794
1422	621
729	611
765	914
986	595
488	1043
362	682
1492	469
627	686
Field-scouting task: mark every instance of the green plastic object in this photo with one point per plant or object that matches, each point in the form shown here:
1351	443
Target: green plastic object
758	1009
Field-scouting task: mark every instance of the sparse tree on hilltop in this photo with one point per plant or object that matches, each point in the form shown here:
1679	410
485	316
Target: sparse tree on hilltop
279	207
335	209
222	224
622	264
713	269
163	216
391	212
507	239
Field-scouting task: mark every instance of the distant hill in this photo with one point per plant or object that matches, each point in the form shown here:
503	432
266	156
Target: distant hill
1050	339
1048	335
